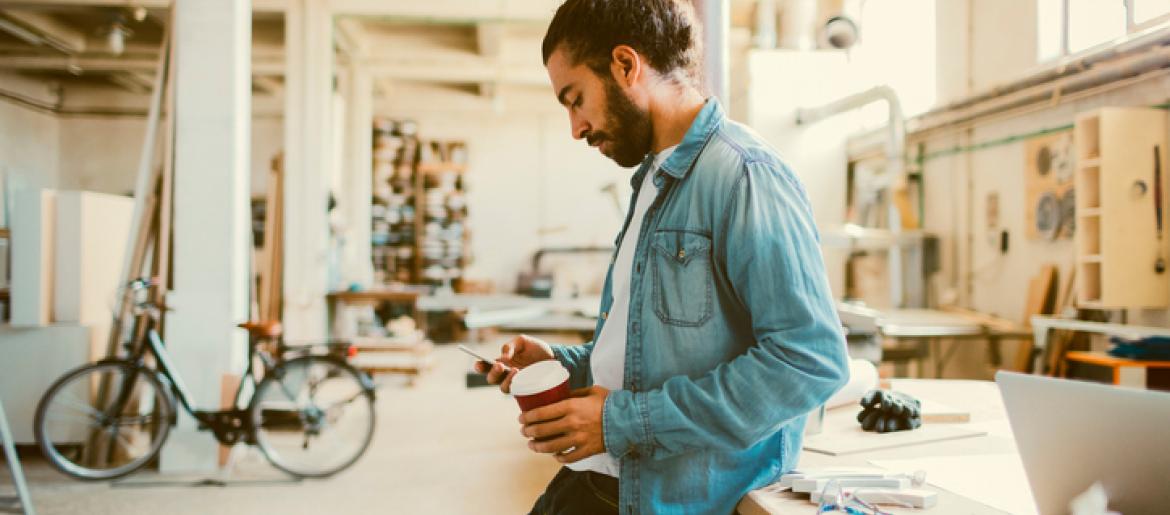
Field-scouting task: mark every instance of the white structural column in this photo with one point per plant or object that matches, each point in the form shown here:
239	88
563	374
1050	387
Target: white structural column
212	242
307	165
357	266
715	16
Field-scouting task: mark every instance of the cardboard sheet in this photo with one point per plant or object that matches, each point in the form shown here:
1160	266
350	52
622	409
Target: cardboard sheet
854	440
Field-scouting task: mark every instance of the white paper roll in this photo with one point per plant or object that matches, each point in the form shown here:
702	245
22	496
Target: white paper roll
863	377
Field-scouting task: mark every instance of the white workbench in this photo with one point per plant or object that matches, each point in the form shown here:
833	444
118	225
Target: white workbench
980	398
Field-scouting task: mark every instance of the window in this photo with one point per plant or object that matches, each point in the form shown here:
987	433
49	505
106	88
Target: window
1092	22
1145	11
1065	27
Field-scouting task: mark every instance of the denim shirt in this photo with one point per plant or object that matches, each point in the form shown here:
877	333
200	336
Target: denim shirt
732	332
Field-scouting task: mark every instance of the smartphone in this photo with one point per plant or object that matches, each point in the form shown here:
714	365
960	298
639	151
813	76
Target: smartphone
476	355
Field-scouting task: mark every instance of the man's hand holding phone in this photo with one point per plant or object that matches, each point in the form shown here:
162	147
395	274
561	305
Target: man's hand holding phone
515	354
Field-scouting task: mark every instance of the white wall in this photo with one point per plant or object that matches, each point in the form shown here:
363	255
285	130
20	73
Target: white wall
101	153
1003	35
28	137
816	153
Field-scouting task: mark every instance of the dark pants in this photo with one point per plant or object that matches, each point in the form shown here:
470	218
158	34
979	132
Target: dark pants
578	493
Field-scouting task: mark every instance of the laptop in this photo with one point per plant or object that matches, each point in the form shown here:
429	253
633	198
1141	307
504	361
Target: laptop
1071	434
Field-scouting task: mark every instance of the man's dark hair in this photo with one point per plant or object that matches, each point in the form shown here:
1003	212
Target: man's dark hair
664	32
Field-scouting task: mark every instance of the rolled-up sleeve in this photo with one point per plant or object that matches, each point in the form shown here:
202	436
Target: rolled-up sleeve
575	358
767	249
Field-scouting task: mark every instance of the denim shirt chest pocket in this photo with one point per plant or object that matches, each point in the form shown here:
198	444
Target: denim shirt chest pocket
683	283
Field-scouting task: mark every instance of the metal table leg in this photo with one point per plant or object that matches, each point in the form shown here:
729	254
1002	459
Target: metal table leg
23	500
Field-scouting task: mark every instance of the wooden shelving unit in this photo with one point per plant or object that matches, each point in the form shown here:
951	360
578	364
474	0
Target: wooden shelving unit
1118	240
419	231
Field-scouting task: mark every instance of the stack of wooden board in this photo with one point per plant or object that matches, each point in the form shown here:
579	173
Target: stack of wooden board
409	354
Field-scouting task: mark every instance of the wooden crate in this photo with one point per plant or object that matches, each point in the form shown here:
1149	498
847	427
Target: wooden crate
1117	238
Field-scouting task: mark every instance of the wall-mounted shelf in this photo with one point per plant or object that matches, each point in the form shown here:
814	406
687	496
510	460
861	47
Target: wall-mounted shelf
1117	238
420	233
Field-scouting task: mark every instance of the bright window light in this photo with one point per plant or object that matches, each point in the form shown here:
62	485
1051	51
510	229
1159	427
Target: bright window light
897	47
1093	22
1146	10
1049	29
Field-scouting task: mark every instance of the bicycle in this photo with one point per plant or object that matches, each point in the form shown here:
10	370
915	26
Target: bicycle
311	415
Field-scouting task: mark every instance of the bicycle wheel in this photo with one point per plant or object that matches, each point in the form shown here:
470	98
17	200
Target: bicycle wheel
312	416
103	420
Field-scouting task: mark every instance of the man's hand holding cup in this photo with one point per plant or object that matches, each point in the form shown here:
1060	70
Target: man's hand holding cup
559	422
517	353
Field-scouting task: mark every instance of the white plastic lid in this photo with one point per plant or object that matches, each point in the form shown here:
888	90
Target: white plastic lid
538	377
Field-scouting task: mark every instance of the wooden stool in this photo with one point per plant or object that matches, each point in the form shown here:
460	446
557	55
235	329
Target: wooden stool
1124	372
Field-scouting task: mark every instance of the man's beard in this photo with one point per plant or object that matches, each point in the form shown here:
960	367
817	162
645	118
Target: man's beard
628	128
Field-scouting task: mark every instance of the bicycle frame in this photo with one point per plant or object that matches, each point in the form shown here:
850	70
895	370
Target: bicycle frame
229	425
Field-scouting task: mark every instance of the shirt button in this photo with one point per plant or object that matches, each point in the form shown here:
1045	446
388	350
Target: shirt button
604	315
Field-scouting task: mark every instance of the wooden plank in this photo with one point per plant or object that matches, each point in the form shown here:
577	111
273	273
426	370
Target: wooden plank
228	383
162	256
1129	236
1040	299
146	190
1059	340
1105	360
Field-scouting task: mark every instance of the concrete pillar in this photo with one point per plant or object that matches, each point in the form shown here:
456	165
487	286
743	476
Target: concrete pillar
212	239
715	17
357	266
307	162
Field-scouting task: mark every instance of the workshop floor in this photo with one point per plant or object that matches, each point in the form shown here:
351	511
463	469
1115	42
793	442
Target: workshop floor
439	449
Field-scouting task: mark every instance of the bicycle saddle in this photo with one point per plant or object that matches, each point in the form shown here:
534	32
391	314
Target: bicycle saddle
262	328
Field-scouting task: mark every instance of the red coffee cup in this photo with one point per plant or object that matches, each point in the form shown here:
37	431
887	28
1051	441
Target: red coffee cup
540	384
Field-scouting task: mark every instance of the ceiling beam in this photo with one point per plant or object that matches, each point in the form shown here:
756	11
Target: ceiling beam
489	38
352	38
109	64
437	10
460	71
257	5
451	10
54	33
488	89
267	85
134	82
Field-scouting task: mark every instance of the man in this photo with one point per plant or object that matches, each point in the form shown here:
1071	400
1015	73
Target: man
717	332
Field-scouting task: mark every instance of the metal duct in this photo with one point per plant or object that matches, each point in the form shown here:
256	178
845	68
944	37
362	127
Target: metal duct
799	25
895	125
1146	52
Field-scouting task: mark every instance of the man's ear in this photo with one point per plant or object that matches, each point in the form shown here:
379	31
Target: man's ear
626	65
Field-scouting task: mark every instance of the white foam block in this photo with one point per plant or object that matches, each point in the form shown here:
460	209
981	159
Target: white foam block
788	479
913	498
819	484
854	440
32	258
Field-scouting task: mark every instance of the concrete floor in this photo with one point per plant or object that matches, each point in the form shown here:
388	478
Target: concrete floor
439	449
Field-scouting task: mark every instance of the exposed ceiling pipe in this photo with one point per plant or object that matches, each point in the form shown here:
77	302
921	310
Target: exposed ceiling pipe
895	165
21	33
1124	65
1141	42
895	124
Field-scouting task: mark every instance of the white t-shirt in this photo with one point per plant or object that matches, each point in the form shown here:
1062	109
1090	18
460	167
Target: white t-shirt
608	359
